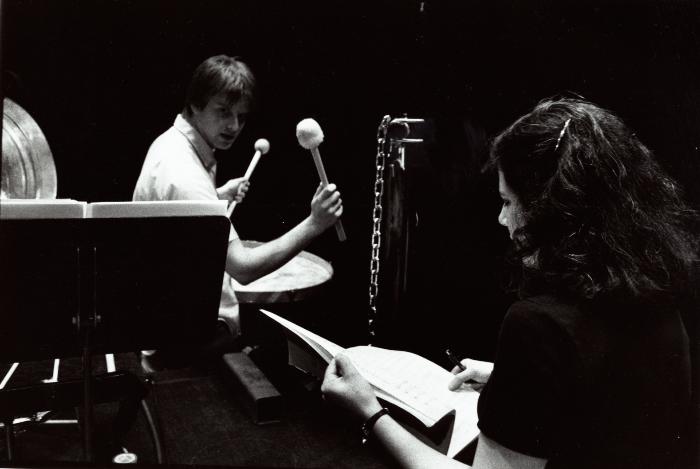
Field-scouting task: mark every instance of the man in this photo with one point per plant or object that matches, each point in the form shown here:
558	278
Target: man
181	165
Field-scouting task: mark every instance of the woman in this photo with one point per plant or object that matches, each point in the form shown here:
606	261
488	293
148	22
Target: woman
592	368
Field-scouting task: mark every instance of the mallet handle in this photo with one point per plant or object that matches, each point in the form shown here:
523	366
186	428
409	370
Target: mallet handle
248	174
324	180
319	166
253	164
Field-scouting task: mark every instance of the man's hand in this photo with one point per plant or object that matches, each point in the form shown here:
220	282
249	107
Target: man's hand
344	384
476	375
234	190
326	206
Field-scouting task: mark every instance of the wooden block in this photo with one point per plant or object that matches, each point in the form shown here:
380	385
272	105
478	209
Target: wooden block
261	396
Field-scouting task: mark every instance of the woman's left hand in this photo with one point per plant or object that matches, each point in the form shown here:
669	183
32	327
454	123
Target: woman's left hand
344	384
475	374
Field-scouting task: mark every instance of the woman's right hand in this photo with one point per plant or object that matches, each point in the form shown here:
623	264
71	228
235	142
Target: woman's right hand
476	375
344	384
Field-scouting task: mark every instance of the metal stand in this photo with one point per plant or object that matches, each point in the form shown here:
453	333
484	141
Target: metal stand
108	287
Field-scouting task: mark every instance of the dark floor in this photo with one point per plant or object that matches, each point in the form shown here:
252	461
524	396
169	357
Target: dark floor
206	420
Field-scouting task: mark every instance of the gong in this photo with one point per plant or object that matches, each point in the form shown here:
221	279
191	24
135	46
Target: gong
28	170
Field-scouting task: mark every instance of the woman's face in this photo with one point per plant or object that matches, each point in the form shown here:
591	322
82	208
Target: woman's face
510	210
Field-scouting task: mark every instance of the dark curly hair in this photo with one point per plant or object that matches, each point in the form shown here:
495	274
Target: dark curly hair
600	218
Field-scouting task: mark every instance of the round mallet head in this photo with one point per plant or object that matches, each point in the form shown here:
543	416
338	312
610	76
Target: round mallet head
309	134
262	145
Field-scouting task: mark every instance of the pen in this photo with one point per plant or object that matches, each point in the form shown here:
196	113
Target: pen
455	361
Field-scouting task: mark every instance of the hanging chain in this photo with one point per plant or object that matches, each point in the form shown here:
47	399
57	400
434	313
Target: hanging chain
385	146
380	162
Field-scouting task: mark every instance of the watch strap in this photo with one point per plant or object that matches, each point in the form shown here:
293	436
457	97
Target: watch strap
369	423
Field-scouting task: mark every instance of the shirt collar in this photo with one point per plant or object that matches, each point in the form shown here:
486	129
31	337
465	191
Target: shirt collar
203	150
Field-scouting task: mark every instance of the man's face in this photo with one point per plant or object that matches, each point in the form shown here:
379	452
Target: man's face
220	123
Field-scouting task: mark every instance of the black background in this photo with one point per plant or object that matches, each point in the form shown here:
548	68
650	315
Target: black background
104	78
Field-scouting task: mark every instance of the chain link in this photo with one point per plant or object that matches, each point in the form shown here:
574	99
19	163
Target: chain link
380	163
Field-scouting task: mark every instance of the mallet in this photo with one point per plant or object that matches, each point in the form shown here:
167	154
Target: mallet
310	136
262	146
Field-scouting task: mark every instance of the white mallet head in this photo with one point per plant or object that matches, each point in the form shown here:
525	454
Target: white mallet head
262	145
309	134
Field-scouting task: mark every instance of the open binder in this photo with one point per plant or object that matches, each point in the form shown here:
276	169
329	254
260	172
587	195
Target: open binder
413	385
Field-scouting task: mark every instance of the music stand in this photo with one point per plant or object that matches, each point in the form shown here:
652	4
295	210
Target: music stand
80	287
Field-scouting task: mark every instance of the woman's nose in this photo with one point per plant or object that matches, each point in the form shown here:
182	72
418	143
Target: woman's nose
502	219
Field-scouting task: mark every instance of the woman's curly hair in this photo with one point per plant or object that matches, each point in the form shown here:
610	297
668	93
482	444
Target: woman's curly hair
600	217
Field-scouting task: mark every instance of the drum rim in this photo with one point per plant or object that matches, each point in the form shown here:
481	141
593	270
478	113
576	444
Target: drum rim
247	295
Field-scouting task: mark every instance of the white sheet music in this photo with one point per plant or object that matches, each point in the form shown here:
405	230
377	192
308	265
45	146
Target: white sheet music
464	430
406	380
324	347
25	209
422	385
409	377
69	208
165	208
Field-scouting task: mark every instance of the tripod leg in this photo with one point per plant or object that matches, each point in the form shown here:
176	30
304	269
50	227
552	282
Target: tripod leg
153	420
155	434
9	438
123	422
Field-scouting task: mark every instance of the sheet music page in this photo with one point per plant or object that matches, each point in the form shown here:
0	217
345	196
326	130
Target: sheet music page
161	208
25	209
406	380
324	347
421	385
464	429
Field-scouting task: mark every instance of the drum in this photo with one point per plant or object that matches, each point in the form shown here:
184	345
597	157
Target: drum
28	170
294	281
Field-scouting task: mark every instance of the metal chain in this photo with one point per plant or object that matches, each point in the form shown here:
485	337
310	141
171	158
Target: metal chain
380	162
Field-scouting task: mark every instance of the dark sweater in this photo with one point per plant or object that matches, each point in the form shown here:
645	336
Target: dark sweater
591	386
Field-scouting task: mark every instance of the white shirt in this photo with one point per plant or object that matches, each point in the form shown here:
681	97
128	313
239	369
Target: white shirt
180	165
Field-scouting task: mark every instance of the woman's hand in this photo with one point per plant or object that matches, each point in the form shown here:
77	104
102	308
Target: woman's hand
344	384
476	375
234	190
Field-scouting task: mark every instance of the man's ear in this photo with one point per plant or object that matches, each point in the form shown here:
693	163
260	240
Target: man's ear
192	109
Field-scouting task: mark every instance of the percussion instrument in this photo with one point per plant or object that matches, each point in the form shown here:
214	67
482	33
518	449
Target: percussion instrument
294	281
27	373
393	224
28	170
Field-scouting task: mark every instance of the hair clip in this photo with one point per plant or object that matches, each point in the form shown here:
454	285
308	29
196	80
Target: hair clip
561	134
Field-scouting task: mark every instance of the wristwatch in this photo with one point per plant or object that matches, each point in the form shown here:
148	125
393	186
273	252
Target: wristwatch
369	423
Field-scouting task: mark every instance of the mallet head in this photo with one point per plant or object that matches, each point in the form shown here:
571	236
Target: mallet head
309	134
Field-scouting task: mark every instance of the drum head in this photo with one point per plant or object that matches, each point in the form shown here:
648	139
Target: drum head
28	170
295	281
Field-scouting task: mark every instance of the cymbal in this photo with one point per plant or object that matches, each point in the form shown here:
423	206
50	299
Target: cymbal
28	170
